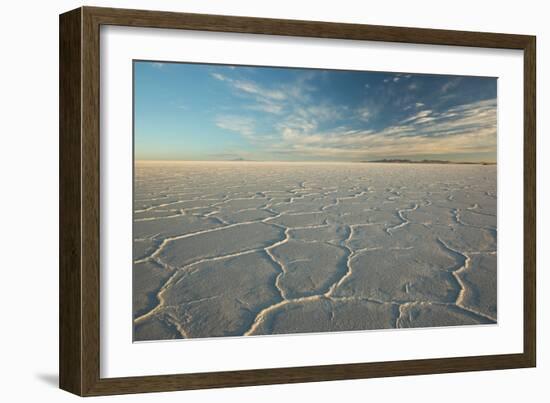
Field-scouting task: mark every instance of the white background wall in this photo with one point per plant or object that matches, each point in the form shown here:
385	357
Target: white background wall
29	198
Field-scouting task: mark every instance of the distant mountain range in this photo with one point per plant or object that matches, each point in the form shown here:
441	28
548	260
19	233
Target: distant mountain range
405	161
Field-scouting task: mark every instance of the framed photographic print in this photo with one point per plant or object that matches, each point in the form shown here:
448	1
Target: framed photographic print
250	201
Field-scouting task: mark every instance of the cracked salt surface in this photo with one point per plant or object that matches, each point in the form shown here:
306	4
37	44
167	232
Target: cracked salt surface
249	248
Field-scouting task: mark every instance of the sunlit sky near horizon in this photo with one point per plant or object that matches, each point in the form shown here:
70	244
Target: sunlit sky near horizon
188	111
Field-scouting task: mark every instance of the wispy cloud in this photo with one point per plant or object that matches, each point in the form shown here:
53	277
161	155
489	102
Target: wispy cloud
413	106
419	115
269	100
269	107
291	101
252	88
238	124
449	85
462	129
364	114
219	76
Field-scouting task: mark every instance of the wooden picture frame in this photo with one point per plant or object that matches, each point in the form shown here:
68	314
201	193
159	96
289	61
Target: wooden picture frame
79	278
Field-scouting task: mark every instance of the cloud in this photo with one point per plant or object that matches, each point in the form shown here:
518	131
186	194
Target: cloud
322	112
306	119
298	124
249	87
418	115
219	76
415	105
290	101
268	107
462	129
243	125
364	114
269	100
255	89
449	85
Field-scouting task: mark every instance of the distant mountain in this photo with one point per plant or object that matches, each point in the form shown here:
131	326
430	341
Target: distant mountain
405	161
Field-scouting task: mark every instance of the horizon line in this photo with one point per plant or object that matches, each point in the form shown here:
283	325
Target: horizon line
381	161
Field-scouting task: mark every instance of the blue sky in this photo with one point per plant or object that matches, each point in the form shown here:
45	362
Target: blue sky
214	112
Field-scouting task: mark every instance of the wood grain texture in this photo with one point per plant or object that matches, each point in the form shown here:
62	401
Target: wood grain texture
317	29
80	200
530	202
90	202
70	275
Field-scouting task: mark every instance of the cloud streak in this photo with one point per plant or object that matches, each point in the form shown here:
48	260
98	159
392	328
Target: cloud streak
463	129
237	124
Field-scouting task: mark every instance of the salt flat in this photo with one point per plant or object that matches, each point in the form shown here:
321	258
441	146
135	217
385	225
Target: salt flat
252	248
